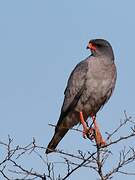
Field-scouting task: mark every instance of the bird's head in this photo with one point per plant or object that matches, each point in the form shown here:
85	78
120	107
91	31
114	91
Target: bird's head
100	47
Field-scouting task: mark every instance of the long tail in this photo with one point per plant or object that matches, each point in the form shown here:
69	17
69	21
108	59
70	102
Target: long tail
58	135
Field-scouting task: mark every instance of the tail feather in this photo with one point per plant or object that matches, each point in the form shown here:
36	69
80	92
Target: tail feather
65	122
59	134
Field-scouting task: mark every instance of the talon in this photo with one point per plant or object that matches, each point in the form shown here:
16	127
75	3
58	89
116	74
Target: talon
91	134
85	134
102	143
98	137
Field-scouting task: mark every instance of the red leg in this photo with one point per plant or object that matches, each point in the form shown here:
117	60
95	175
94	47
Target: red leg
98	137
85	128
87	132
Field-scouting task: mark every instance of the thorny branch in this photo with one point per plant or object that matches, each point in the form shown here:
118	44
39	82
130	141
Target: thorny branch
12	166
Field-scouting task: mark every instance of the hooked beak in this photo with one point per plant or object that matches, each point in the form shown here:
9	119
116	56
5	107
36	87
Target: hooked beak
88	46
91	47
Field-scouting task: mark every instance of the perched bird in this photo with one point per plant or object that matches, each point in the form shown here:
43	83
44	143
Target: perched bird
89	87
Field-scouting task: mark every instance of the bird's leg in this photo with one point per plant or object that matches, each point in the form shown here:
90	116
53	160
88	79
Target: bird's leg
87	132
85	128
98	137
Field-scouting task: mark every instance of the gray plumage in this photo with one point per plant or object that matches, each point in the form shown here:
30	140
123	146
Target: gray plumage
89	87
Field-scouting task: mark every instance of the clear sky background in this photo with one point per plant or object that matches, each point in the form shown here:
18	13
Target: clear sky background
40	44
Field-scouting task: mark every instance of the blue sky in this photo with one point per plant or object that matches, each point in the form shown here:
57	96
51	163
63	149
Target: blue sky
40	43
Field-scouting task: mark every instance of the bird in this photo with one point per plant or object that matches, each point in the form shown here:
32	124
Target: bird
89	87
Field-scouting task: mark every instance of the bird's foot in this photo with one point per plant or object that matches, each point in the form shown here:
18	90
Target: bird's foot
99	139
85	132
85	128
89	133
92	133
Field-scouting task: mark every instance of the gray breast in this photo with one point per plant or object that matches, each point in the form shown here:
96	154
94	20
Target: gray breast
99	86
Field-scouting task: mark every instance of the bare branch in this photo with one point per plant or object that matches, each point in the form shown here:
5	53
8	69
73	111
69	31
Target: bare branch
12	169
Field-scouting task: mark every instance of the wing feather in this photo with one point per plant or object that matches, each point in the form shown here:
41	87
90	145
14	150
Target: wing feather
74	89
